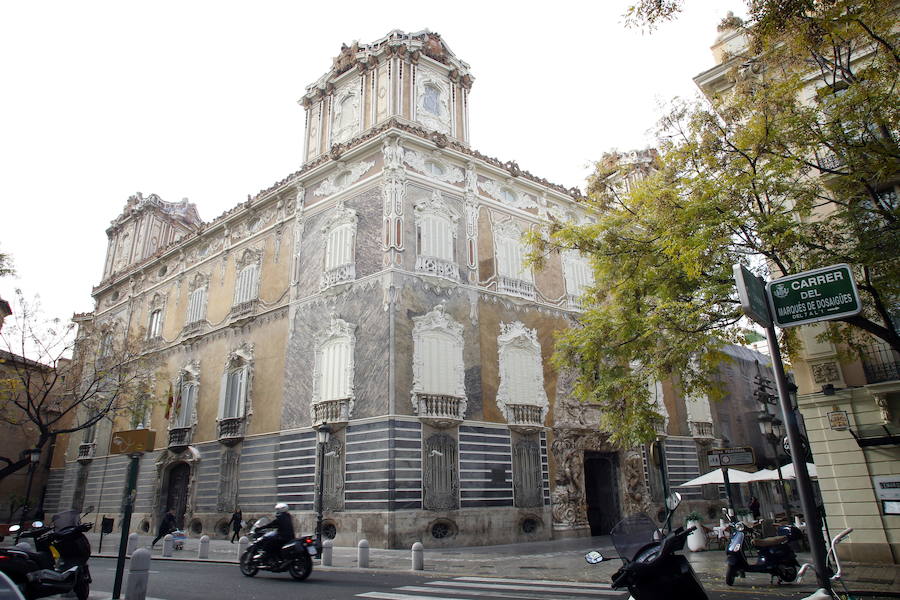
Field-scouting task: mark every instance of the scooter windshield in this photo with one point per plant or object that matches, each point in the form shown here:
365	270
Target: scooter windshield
66	518
631	534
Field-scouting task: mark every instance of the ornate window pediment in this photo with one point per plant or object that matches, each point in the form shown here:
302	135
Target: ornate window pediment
433	167
197	294
340	240
513	276
234	397
333	372
342	178
436	225
246	286
432	101
184	410
507	195
521	375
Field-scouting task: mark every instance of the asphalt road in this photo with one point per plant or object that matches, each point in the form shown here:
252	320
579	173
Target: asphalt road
185	580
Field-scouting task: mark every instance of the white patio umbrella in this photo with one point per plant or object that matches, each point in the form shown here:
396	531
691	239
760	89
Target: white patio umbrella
787	471
715	477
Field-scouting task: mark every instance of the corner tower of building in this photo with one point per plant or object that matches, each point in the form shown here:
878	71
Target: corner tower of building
413	77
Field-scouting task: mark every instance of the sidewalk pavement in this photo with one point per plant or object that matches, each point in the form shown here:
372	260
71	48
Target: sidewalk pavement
561	560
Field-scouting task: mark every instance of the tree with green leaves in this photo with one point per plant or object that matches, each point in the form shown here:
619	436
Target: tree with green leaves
794	166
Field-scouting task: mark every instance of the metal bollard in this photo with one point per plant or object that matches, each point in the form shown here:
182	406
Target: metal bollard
327	553
132	544
138	575
242	546
168	545
362	554
418	557
203	552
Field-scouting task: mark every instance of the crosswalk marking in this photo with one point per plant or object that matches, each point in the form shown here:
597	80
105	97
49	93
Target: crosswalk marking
470	588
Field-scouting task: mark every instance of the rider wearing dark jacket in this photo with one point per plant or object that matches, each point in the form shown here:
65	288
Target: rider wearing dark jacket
284	527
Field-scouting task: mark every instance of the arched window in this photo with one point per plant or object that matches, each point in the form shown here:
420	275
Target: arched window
439	389
332	399
339	234
246	288
235	389
186	401
436	237
514	277
154	328
521	375
196	310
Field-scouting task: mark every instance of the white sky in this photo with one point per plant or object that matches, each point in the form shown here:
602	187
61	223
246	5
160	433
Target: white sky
198	99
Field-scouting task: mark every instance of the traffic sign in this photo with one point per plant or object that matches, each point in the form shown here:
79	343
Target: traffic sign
731	457
752	293
811	296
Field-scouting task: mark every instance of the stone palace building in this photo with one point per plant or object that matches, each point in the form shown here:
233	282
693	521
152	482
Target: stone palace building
383	289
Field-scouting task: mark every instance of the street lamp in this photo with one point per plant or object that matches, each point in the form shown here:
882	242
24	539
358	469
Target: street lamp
323	434
772	430
34	457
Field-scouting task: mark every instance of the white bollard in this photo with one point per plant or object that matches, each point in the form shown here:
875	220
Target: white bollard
203	552
132	544
168	544
362	554
418	557
242	546
327	553
138	575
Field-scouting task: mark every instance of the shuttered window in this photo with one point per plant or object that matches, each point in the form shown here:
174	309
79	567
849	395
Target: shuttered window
440	356
339	249
234	393
245	288
511	259
435	237
334	371
518	369
196	305
185	415
155	327
578	275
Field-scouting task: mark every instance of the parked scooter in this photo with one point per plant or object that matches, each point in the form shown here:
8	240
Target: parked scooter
776	557
654	571
295	556
58	564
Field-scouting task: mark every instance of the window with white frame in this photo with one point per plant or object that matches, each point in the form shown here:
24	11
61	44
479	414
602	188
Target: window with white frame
438	359
245	288
578	275
196	310
187	402
513	275
436	237
154	328
339	233
521	370
235	384
334	361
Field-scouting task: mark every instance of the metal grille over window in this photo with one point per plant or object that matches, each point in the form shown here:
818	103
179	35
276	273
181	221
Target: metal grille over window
441	473
333	491
527	483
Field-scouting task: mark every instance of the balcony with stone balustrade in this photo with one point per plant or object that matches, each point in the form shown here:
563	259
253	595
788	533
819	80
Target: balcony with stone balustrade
524	418
439	410
516	287
335	412
339	274
438	267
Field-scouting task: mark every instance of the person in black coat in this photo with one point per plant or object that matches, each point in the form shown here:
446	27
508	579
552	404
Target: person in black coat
283	525
167	525
237	519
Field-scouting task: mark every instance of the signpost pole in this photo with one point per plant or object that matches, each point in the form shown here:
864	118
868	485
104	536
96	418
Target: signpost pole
130	489
728	490
798	456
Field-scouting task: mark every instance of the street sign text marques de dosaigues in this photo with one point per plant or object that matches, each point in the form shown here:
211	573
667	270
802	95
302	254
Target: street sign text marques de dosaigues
817	295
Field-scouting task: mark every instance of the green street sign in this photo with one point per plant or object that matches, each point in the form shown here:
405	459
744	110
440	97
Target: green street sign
752	292
811	296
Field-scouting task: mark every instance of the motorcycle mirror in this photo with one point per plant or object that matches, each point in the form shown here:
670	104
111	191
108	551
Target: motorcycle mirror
89	509
14	528
37	523
673	500
593	557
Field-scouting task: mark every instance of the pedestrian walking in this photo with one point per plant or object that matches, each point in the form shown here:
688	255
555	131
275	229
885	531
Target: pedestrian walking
754	507
167	525
237	523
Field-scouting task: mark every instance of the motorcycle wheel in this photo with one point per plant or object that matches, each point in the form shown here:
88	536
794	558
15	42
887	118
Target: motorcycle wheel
301	567
788	574
82	590
730	572
246	563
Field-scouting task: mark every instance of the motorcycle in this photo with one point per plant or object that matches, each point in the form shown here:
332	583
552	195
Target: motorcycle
776	557
58	563
294	557
654	571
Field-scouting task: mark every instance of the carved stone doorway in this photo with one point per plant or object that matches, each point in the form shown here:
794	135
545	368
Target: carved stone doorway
601	487
179	478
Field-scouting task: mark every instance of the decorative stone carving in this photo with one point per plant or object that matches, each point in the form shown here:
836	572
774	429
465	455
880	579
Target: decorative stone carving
521	369
825	372
505	194
884	408
393	192
447	172
345	112
440	473
333	488
341	179
229	477
432	101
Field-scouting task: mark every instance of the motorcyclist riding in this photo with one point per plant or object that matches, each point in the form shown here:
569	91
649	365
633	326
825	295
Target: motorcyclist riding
284	526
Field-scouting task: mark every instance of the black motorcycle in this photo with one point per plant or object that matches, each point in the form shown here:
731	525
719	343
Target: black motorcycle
294	557
654	571
58	564
776	557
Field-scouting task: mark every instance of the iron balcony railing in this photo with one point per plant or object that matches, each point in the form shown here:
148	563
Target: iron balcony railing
244	308
180	437
231	430
86	451
880	364
338	275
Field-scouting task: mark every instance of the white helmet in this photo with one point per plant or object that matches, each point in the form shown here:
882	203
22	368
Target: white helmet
280	508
